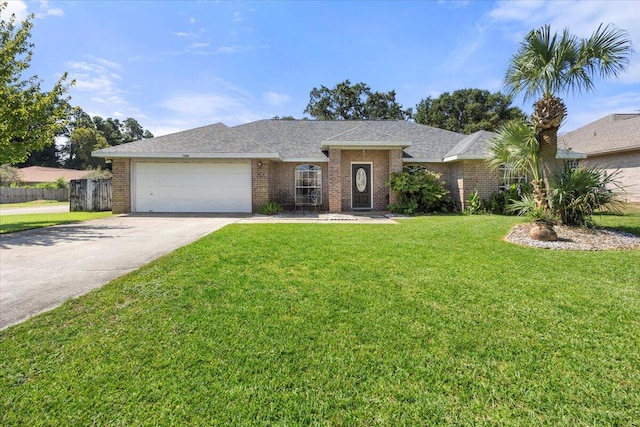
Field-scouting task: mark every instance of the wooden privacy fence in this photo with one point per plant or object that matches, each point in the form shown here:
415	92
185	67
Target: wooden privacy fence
23	195
90	195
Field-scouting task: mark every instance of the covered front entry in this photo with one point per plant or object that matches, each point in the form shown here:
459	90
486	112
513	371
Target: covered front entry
191	187
361	188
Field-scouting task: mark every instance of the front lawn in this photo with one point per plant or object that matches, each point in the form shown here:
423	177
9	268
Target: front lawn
21	222
33	204
434	321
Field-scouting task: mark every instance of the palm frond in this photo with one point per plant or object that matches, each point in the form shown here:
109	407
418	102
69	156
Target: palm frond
549	63
516	145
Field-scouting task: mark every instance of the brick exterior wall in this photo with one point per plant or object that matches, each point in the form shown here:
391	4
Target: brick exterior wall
335	180
629	165
260	185
395	165
467	176
380	171
121	186
283	187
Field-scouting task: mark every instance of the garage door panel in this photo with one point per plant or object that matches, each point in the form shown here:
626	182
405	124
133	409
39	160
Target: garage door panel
193	187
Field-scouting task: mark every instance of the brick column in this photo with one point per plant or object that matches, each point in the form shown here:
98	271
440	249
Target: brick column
259	183
335	181
121	186
395	165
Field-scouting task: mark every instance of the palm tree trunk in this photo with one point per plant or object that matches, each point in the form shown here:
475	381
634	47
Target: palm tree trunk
548	113
548	151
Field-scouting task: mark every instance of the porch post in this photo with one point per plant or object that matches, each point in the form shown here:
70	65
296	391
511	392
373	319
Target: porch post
335	181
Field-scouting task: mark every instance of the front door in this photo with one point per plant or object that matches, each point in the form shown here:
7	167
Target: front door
361	195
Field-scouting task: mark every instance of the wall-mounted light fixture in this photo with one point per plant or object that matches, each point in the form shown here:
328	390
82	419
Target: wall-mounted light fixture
259	163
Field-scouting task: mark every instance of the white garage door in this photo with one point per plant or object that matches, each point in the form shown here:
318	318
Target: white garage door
192	187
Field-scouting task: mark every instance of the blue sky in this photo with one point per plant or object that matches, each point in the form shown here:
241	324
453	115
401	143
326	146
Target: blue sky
176	65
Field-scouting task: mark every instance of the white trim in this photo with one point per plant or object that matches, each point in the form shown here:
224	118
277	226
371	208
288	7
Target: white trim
304	160
466	157
149	155
418	160
351	182
364	145
571	155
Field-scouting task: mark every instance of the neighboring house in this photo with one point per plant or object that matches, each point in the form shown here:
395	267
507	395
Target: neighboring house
611	143
338	165
38	174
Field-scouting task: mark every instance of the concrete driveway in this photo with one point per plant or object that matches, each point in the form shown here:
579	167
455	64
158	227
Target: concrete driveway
40	269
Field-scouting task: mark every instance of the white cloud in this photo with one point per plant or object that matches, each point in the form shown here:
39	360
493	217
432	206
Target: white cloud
233	49
100	77
192	20
182	34
237	17
192	109
198	45
466	44
275	99
45	10
17	8
582	18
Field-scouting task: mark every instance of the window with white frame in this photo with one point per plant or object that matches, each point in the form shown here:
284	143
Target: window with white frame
308	185
511	177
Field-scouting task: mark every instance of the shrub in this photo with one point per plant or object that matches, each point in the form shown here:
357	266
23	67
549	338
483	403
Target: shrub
474	203
99	173
9	176
500	200
59	183
579	192
526	206
419	191
271	208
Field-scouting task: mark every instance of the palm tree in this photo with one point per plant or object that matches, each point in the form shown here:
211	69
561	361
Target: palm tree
517	146
547	65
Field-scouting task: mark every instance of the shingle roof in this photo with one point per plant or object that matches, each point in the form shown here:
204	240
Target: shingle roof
304	139
218	138
615	132
43	174
475	145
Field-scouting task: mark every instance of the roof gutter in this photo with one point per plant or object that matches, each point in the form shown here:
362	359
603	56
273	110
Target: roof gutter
130	155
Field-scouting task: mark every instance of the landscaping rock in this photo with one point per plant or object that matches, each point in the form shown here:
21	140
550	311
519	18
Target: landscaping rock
543	232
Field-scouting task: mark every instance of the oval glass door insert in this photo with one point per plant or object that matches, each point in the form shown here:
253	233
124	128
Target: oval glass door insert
361	180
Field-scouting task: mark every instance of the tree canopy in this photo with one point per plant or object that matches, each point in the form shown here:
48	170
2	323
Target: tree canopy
467	111
86	134
354	102
29	116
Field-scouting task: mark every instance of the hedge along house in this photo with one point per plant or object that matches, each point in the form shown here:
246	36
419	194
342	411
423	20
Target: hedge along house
336	166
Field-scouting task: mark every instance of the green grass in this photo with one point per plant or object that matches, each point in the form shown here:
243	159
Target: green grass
13	223
34	204
434	321
628	221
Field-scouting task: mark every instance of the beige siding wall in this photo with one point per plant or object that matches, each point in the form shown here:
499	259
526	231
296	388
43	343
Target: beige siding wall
629	165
